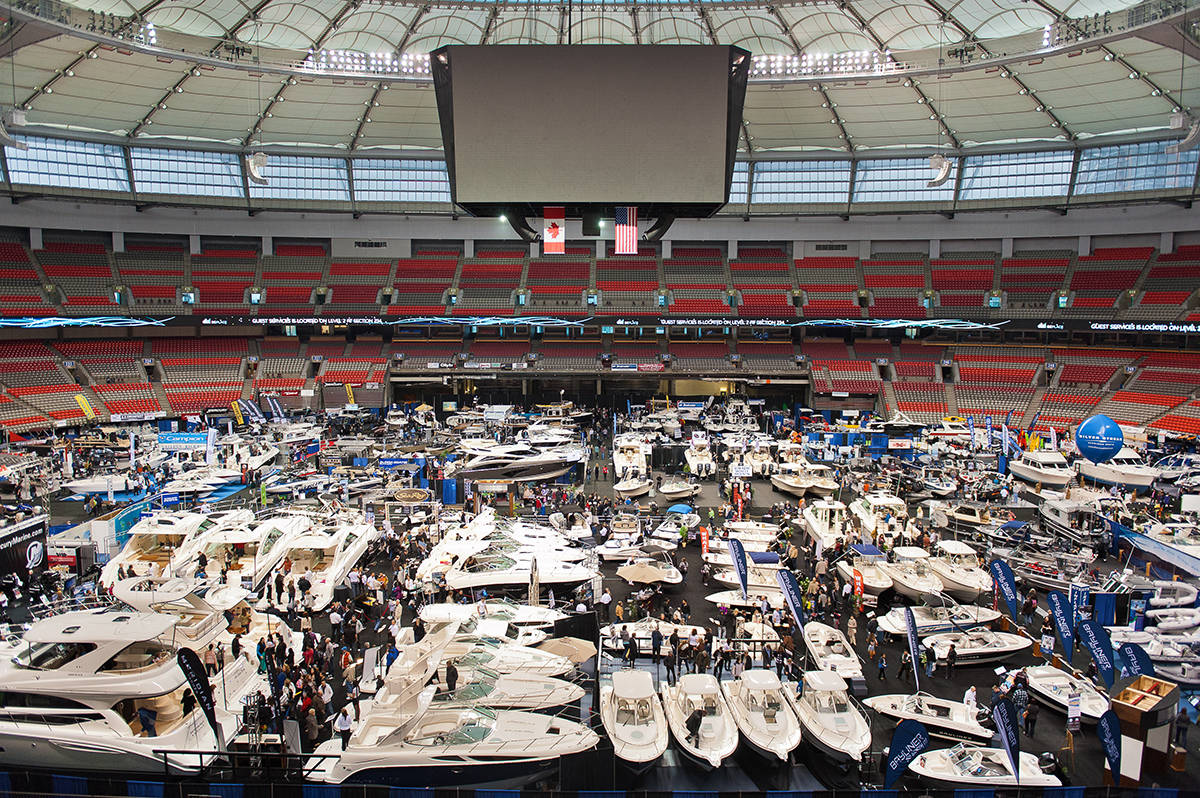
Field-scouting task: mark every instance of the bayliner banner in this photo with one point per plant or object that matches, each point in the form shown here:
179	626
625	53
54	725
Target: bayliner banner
1137	661
1109	732
911	623
908	741
791	594
737	553
1100	645
1006	583
1004	714
1063	614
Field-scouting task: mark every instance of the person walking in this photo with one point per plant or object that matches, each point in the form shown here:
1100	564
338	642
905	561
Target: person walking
342	725
951	658
883	666
1031	716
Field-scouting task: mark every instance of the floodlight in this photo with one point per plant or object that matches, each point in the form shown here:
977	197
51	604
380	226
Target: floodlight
1191	141
15	118
255	164
942	164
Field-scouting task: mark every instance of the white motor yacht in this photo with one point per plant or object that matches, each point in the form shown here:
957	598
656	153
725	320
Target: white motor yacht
763	715
632	487
614	635
498	569
634	718
938	619
911	574
678	489
508	691
152	545
949	720
758	457
868	561
830	720
100	483
630	457
794	483
325	554
518	463
957	566
1054	688
1044	467
250	553
978	646
716	737
884	514
733	598
827	522
1127	469
831	651
970	766
101	690
422	747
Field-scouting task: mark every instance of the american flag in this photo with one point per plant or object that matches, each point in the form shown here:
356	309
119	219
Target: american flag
627	231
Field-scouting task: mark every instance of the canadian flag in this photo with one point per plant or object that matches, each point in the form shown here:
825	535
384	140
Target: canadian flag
554	233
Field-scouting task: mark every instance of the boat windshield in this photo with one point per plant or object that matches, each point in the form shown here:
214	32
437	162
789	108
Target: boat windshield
470	692
50	656
469	733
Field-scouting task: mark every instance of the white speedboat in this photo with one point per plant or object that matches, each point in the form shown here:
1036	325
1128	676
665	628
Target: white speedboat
1044	467
1175	620
1054	688
508	691
884	515
496	630
498	569
518	463
325	554
632	488
648	571
634	718
957	566
830	720
619	548
932	620
630	457
1171	649
476	747
678	489
100	484
614	635
911	574
820	480
716	737
759	707
699	456
792	483
1127	469
830	651
978	646
101	690
949	720
758	457
756	578
516	613
868	561
503	657
733	598
826	522
973	767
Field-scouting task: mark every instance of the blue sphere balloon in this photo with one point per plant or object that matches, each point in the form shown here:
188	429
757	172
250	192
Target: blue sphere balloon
1099	438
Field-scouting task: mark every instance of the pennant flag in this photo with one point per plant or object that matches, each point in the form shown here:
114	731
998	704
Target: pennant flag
1064	620
197	678
1099	644
737	553
1006	583
911	623
627	230
1004	436
85	405
1008	418
1109	732
988	420
237	412
1004	713
554	233
908	741
1137	661
791	594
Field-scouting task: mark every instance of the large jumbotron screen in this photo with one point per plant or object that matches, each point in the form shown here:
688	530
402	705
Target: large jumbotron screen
595	125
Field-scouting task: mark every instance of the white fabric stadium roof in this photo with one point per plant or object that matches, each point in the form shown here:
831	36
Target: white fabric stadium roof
232	72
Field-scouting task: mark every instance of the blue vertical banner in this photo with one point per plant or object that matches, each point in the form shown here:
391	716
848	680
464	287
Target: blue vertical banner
737	553
1008	418
1004	436
1064	620
971	428
1080	595
908	741
1006	583
1004	714
1099	644
1109	732
987	420
1137	661
791	594
911	624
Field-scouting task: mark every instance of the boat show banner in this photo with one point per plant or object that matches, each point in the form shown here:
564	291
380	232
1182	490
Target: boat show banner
1006	583
791	594
909	740
911	624
1109	732
1137	661
737	553
1004	714
1099	644
1064	620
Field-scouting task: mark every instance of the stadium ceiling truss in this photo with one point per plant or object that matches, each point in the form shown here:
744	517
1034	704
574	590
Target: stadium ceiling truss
850	79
